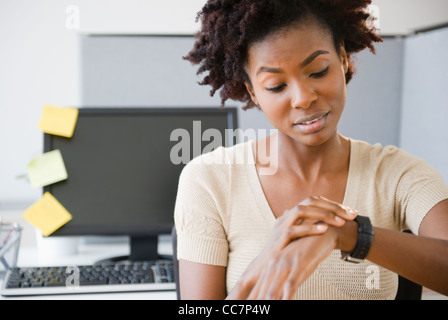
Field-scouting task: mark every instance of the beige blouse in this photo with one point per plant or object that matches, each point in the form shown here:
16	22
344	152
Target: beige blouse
223	218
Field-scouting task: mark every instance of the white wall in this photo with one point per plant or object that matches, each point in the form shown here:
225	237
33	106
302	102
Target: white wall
138	16
403	17
38	63
397	17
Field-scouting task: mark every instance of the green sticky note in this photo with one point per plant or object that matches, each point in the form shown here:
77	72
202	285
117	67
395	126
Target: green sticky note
47	169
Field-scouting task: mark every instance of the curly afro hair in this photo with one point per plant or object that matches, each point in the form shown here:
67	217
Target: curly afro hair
228	27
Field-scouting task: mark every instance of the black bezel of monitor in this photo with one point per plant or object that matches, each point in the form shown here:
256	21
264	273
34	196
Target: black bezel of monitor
143	239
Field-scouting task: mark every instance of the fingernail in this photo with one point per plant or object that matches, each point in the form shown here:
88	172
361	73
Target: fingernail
321	227
339	219
352	212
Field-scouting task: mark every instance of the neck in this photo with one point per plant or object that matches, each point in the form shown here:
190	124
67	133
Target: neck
311	162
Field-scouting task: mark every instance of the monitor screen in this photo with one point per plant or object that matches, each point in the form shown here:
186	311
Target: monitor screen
123	166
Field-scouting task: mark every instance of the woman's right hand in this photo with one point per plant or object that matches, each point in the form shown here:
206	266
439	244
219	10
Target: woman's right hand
310	217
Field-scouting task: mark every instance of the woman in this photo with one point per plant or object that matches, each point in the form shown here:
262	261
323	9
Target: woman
327	224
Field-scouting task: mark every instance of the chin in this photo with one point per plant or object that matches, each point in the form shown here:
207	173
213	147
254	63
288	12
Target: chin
315	139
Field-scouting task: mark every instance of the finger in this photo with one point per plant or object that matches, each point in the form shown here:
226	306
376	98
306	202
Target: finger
275	290
302	268
292	283
299	273
290	288
291	216
338	209
298	231
272	286
293	232
307	215
318	214
259	290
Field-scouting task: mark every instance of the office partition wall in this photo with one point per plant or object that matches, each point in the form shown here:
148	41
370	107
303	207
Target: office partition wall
424	115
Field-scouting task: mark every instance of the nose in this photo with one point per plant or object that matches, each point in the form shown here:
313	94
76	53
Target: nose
303	96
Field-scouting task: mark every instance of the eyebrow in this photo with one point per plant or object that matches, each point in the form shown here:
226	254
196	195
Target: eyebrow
305	62
313	56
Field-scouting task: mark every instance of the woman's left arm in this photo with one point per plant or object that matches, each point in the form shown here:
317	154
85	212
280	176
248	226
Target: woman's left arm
423	258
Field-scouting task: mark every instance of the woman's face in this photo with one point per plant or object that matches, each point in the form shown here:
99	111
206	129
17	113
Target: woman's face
298	80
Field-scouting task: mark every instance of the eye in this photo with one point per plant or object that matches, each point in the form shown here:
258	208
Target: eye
320	74
276	88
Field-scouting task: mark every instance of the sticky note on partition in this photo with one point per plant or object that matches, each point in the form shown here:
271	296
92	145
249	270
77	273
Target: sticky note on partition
47	214
47	169
59	121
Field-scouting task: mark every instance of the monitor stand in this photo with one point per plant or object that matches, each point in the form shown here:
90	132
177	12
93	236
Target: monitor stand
143	248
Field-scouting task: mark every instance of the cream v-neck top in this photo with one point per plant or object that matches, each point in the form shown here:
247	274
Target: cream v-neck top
223	218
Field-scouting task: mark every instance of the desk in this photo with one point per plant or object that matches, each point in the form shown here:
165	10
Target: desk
89	251
87	254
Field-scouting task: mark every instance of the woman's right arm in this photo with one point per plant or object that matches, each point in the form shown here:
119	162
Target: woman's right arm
207	282
201	281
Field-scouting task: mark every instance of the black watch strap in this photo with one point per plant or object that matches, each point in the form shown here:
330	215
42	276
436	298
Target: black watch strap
365	237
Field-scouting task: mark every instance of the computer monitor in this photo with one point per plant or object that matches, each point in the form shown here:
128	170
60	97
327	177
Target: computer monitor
123	168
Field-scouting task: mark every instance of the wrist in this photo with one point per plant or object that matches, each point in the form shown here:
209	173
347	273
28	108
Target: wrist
363	242
346	236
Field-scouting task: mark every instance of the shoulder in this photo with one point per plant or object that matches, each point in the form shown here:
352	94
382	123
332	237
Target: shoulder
390	158
393	167
377	151
400	181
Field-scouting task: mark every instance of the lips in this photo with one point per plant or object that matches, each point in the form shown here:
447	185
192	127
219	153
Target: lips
310	119
312	123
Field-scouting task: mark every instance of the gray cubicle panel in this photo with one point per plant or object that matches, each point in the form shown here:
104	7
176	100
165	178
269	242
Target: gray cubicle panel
147	71
424	116
150	71
384	99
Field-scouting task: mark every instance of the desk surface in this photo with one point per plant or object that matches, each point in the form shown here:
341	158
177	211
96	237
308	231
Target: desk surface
36	251
86	255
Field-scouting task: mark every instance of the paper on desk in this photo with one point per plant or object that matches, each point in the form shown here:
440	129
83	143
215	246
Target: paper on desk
59	121
47	169
47	214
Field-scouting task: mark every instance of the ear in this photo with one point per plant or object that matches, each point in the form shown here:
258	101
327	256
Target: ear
344	57
251	92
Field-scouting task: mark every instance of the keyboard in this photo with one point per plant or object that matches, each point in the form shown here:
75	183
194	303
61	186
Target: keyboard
98	278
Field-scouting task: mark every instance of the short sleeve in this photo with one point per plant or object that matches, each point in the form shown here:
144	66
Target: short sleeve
198	214
420	188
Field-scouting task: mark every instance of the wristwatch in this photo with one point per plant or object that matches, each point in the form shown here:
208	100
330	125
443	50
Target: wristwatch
362	247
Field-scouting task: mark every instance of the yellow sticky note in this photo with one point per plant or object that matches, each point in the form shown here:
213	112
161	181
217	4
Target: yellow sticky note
59	121
47	169
47	214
